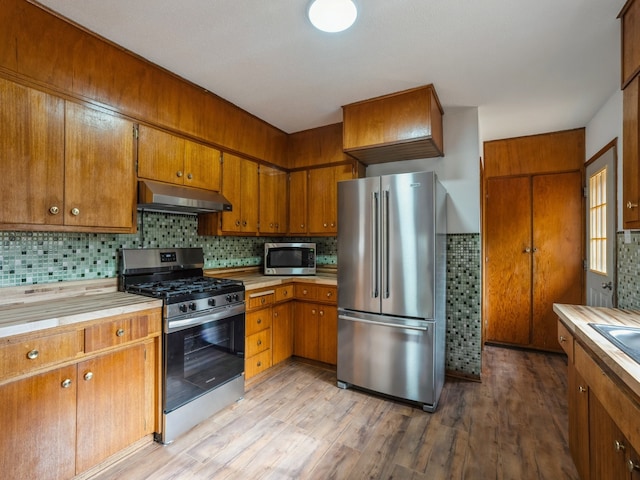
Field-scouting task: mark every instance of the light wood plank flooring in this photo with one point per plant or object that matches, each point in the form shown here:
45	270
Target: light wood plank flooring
294	423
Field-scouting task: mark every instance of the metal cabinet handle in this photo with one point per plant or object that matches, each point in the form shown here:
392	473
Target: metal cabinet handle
33	354
179	173
244	223
66	383
88	376
562	339
271	225
262	300
120	332
260	320
285	293
54	210
582	389
526	250
302	225
333	224
325	225
631	205
618	446
321	313
75	211
259	342
190	176
304	292
632	466
237	223
259	364
607	285
313	311
275	314
329	294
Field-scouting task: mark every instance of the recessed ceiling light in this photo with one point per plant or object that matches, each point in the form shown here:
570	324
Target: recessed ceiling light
332	15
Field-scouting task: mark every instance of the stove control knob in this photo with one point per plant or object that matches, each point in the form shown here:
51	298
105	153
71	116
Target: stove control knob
236	297
229	298
192	306
183	308
212	302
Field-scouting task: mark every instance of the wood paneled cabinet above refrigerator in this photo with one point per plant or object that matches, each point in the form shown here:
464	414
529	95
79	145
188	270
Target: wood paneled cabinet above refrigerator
66	167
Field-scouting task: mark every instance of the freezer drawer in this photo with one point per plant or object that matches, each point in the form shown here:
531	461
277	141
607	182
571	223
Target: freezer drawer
388	355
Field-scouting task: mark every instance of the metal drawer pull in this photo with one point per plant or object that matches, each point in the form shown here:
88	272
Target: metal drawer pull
75	212
120	332
33	354
54	210
66	383
88	376
259	342
582	389
259	321
329	294
618	446
632	466
259	364
562	339
631	205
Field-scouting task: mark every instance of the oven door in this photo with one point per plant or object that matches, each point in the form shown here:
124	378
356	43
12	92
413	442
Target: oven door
201	356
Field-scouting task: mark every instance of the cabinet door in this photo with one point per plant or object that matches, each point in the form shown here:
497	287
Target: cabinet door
328	334
557	251
160	156
250	198
305	328
630	45
111	404
282	332
323	193
607	444
231	188
578	402
631	155
298	202
38	418
273	194
508	260
201	166
32	156
99	170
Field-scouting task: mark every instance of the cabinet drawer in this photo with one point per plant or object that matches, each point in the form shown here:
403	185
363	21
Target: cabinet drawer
284	293
257	364
258	342
33	353
115	332
260	299
565	339
258	320
306	292
327	294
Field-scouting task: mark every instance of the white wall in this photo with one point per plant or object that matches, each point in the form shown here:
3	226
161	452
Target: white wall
605	126
458	170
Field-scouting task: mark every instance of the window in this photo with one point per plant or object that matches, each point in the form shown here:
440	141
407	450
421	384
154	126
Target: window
598	222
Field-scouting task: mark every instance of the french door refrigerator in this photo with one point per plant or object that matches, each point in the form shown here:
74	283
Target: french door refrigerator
392	286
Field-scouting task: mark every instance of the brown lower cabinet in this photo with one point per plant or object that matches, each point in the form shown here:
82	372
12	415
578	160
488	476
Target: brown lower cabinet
58	422
603	419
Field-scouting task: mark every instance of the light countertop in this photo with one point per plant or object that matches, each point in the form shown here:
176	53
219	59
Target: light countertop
254	280
577	318
38	307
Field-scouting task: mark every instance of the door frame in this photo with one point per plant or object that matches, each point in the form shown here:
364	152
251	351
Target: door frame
613	144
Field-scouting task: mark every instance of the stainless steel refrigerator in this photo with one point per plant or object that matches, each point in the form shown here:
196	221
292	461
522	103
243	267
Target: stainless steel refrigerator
392	286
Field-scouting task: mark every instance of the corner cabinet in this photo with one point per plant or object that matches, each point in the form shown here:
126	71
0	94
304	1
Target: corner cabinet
171	159
65	407
323	197
67	167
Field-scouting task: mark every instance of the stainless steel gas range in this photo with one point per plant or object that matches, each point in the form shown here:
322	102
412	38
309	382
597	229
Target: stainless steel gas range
203	333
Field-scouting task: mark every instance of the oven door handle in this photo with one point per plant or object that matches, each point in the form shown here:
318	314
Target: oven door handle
217	314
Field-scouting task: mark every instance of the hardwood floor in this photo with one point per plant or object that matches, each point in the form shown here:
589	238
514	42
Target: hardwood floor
294	423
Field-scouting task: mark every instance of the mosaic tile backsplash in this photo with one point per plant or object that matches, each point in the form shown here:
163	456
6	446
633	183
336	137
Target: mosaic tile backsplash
42	257
629	271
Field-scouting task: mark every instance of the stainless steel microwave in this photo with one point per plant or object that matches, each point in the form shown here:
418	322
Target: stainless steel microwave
289	258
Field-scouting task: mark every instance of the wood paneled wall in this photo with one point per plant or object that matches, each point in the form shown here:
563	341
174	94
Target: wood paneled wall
39	47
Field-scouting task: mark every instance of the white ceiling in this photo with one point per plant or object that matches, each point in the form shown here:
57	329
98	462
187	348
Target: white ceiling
530	66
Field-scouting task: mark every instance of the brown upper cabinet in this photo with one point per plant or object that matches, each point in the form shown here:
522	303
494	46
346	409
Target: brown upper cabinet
316	147
323	197
273	200
630	18
400	126
67	167
172	159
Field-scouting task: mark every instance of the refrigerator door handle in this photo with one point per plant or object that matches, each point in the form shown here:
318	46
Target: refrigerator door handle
375	251
385	245
384	324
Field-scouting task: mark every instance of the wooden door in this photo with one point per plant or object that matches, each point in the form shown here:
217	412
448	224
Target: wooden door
201	166
232	190
298	202
32	156
111	405
557	251
273	189
281	202
160	156
323	197
607	461
508	260
578	402
282	330
249	185
100	188
306	328
328	334
38	418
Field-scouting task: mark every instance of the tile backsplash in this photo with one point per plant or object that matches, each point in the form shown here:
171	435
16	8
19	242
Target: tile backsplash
629	271
28	258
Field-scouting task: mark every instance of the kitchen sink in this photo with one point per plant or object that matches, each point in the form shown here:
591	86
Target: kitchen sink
626	339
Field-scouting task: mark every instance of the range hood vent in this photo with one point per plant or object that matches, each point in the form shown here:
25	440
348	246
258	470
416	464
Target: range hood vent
164	197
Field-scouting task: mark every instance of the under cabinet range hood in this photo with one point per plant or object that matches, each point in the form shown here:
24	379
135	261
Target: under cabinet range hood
165	197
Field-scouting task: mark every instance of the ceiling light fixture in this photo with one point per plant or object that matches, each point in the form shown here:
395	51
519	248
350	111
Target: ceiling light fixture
332	15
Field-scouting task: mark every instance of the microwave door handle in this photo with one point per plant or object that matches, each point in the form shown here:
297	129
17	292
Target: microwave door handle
375	256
